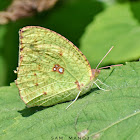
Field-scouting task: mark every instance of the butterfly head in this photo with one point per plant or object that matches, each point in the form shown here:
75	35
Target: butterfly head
95	73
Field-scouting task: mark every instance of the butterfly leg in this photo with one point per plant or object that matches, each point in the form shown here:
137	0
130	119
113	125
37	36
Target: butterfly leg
74	100
99	86
102	82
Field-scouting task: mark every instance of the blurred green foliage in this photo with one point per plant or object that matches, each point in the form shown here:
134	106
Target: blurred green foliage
73	19
4	4
117	27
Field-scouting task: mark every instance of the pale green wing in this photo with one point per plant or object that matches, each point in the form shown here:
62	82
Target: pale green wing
51	69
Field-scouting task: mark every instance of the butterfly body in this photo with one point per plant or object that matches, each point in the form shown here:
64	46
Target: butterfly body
51	69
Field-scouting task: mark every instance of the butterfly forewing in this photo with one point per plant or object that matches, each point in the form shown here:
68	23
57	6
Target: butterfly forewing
51	69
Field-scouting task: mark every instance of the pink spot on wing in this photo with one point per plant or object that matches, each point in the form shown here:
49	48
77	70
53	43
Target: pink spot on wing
61	70
77	83
45	93
58	68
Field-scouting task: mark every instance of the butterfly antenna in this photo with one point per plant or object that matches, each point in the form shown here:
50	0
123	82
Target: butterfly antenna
105	56
110	66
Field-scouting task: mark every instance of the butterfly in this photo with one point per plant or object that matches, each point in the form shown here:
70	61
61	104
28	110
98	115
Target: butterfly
51	69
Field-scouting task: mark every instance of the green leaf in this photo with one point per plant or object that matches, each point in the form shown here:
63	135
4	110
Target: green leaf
113	114
115	26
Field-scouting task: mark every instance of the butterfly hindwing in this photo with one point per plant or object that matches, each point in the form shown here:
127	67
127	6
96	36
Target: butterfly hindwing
51	69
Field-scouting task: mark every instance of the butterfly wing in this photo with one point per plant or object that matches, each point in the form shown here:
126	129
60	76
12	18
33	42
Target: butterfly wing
51	69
